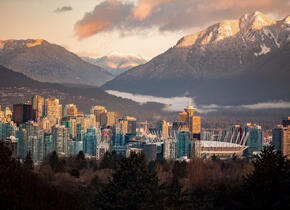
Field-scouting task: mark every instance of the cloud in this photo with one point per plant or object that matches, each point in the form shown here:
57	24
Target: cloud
178	103
63	9
107	15
268	105
170	15
173	104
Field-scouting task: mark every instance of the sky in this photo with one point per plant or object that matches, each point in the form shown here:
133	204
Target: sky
147	28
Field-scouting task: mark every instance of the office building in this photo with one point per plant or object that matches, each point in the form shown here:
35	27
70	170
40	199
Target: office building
70	110
170	149
53	110
254	140
112	118
60	136
22	113
150	151
163	128
37	107
184	144
281	137
100	113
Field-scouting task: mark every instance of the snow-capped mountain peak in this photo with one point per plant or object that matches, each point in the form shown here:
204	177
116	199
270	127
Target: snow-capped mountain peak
255	21
227	28
117	63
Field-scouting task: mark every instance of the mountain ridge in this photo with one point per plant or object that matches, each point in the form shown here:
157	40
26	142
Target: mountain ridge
117	63
16	88
206	61
46	62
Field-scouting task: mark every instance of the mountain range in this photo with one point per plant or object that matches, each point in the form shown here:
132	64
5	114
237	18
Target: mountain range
46	62
239	61
16	88
117	63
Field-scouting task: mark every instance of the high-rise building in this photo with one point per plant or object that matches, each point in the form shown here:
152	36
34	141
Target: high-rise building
101	115
189	122
90	141
71	125
22	113
170	149
196	127
286	122
70	110
7	129
107	135
32	140
112	118
11	143
182	117
53	110
281	137
37	107
150	151
2	116
286	142
102	148
60	135
21	135
89	121
184	144
48	144
131	125
277	136
163	127
8	114
255	138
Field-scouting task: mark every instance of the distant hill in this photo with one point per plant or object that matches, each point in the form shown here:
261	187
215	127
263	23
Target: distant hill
242	61
46	62
116	63
17	88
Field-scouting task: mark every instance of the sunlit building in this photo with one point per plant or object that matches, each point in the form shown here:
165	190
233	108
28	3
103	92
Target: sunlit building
112	118
189	122
70	110
53	110
100	113
281	137
207	149
37	107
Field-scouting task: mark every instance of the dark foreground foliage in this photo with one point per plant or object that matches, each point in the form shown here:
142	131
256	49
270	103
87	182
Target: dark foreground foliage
117	182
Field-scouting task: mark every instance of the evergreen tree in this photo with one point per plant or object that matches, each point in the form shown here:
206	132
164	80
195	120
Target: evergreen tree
110	160
80	156
176	199
75	173
28	162
132	186
268	186
81	160
53	160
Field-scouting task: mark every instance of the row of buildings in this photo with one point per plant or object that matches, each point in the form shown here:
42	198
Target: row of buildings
43	125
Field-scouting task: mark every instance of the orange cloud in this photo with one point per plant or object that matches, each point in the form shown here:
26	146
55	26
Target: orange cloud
144	8
170	15
87	29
